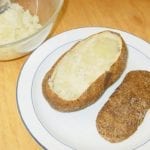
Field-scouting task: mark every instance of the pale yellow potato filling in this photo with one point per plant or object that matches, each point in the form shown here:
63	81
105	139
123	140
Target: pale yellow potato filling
81	66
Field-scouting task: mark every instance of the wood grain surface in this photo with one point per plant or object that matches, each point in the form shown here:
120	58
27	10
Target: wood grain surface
127	15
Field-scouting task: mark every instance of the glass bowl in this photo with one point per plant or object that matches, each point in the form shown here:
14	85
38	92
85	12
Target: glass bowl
47	11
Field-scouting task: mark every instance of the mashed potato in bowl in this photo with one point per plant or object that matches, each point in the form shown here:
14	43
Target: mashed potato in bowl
21	31
16	24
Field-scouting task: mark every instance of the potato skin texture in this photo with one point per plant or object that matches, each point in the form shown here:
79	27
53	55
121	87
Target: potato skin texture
125	110
94	91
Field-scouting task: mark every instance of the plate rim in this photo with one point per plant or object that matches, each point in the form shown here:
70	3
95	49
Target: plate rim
38	49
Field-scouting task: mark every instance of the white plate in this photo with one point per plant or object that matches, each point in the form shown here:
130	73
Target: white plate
75	130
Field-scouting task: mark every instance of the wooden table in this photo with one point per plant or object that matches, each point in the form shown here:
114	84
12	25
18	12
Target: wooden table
127	15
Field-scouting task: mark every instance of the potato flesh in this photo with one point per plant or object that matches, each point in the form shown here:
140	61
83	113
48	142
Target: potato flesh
83	64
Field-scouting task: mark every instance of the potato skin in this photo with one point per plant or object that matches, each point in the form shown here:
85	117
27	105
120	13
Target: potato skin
125	110
95	90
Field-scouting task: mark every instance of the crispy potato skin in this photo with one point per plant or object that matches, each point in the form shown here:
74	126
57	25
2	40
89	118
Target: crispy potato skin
126	108
95	90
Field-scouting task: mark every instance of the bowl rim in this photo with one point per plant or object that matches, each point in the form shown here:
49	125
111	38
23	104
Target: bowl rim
39	30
